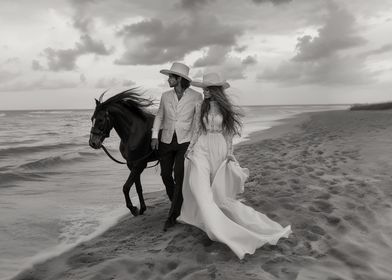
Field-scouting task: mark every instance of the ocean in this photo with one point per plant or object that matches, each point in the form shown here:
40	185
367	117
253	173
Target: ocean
55	191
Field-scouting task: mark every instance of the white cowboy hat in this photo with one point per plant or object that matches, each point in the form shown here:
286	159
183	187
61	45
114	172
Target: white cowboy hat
179	69
211	79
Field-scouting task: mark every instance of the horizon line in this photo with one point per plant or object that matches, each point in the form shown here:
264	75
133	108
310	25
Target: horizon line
264	105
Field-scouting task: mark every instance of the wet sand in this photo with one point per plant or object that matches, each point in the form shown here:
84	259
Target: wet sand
328	174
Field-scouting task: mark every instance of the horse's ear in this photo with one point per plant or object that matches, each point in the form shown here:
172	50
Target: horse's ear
96	102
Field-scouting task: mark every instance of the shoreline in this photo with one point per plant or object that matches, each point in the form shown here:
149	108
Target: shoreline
310	172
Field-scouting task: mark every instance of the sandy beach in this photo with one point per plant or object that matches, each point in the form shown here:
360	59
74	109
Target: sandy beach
328	174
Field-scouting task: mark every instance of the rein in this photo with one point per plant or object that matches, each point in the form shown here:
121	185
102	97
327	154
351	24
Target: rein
121	162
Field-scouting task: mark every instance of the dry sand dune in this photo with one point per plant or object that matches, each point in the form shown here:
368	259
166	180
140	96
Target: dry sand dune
327	174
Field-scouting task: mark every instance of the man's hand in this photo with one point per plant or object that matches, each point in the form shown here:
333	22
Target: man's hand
154	143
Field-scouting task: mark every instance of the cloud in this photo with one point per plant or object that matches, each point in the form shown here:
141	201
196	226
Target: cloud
215	55
88	45
193	4
9	69
39	83
275	2
161	43
249	60
128	83
384	49
334	70
240	49
35	65
61	60
65	59
107	83
320	59
82	18
337	34
82	78
232	69
6	76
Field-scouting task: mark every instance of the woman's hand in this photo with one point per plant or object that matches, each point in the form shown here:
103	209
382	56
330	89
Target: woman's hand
231	157
187	153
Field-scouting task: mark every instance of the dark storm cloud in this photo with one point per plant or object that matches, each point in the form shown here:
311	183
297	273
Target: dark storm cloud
65	59
275	2
319	59
163	43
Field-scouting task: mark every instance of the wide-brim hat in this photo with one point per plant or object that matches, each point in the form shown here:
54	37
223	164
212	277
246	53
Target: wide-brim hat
211	79
178	69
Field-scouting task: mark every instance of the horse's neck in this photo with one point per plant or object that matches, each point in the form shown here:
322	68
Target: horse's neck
122	124
127	123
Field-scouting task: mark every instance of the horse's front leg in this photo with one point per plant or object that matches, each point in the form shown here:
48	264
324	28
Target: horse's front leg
138	171
126	188
139	190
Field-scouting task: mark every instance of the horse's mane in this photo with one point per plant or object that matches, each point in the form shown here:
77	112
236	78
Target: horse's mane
132	100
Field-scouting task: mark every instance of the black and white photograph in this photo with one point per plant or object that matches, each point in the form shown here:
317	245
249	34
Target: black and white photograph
195	139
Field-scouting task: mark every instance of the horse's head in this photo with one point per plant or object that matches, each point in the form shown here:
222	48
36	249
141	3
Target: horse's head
101	125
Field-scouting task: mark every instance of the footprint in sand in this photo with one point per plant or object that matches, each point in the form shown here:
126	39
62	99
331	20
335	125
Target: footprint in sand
333	220
317	230
309	169
321	206
294	181
324	196
354	221
334	190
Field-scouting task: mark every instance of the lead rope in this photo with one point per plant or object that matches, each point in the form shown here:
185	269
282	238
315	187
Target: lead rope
121	162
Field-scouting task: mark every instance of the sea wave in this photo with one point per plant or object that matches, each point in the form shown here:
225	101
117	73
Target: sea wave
10	177
52	112
70	242
3	114
53	161
34	149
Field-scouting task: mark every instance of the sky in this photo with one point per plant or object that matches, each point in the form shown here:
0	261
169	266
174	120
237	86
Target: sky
61	54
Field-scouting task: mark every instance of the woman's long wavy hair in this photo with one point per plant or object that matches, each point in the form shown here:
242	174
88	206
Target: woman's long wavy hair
231	115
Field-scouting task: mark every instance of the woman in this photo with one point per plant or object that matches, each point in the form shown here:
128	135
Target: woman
213	177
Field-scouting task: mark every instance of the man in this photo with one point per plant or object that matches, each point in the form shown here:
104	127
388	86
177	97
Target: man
175	118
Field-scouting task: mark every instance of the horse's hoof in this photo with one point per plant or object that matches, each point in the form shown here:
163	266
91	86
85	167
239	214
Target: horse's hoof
142	209
134	211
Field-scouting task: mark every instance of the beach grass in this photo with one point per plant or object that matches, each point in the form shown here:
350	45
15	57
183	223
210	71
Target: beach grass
372	106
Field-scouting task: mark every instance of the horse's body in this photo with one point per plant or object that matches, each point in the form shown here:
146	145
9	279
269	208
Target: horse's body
125	113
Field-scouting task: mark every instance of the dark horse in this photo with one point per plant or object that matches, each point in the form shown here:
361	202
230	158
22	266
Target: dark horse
125	112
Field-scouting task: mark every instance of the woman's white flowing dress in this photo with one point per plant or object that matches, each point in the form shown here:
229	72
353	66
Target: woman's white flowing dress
210	186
